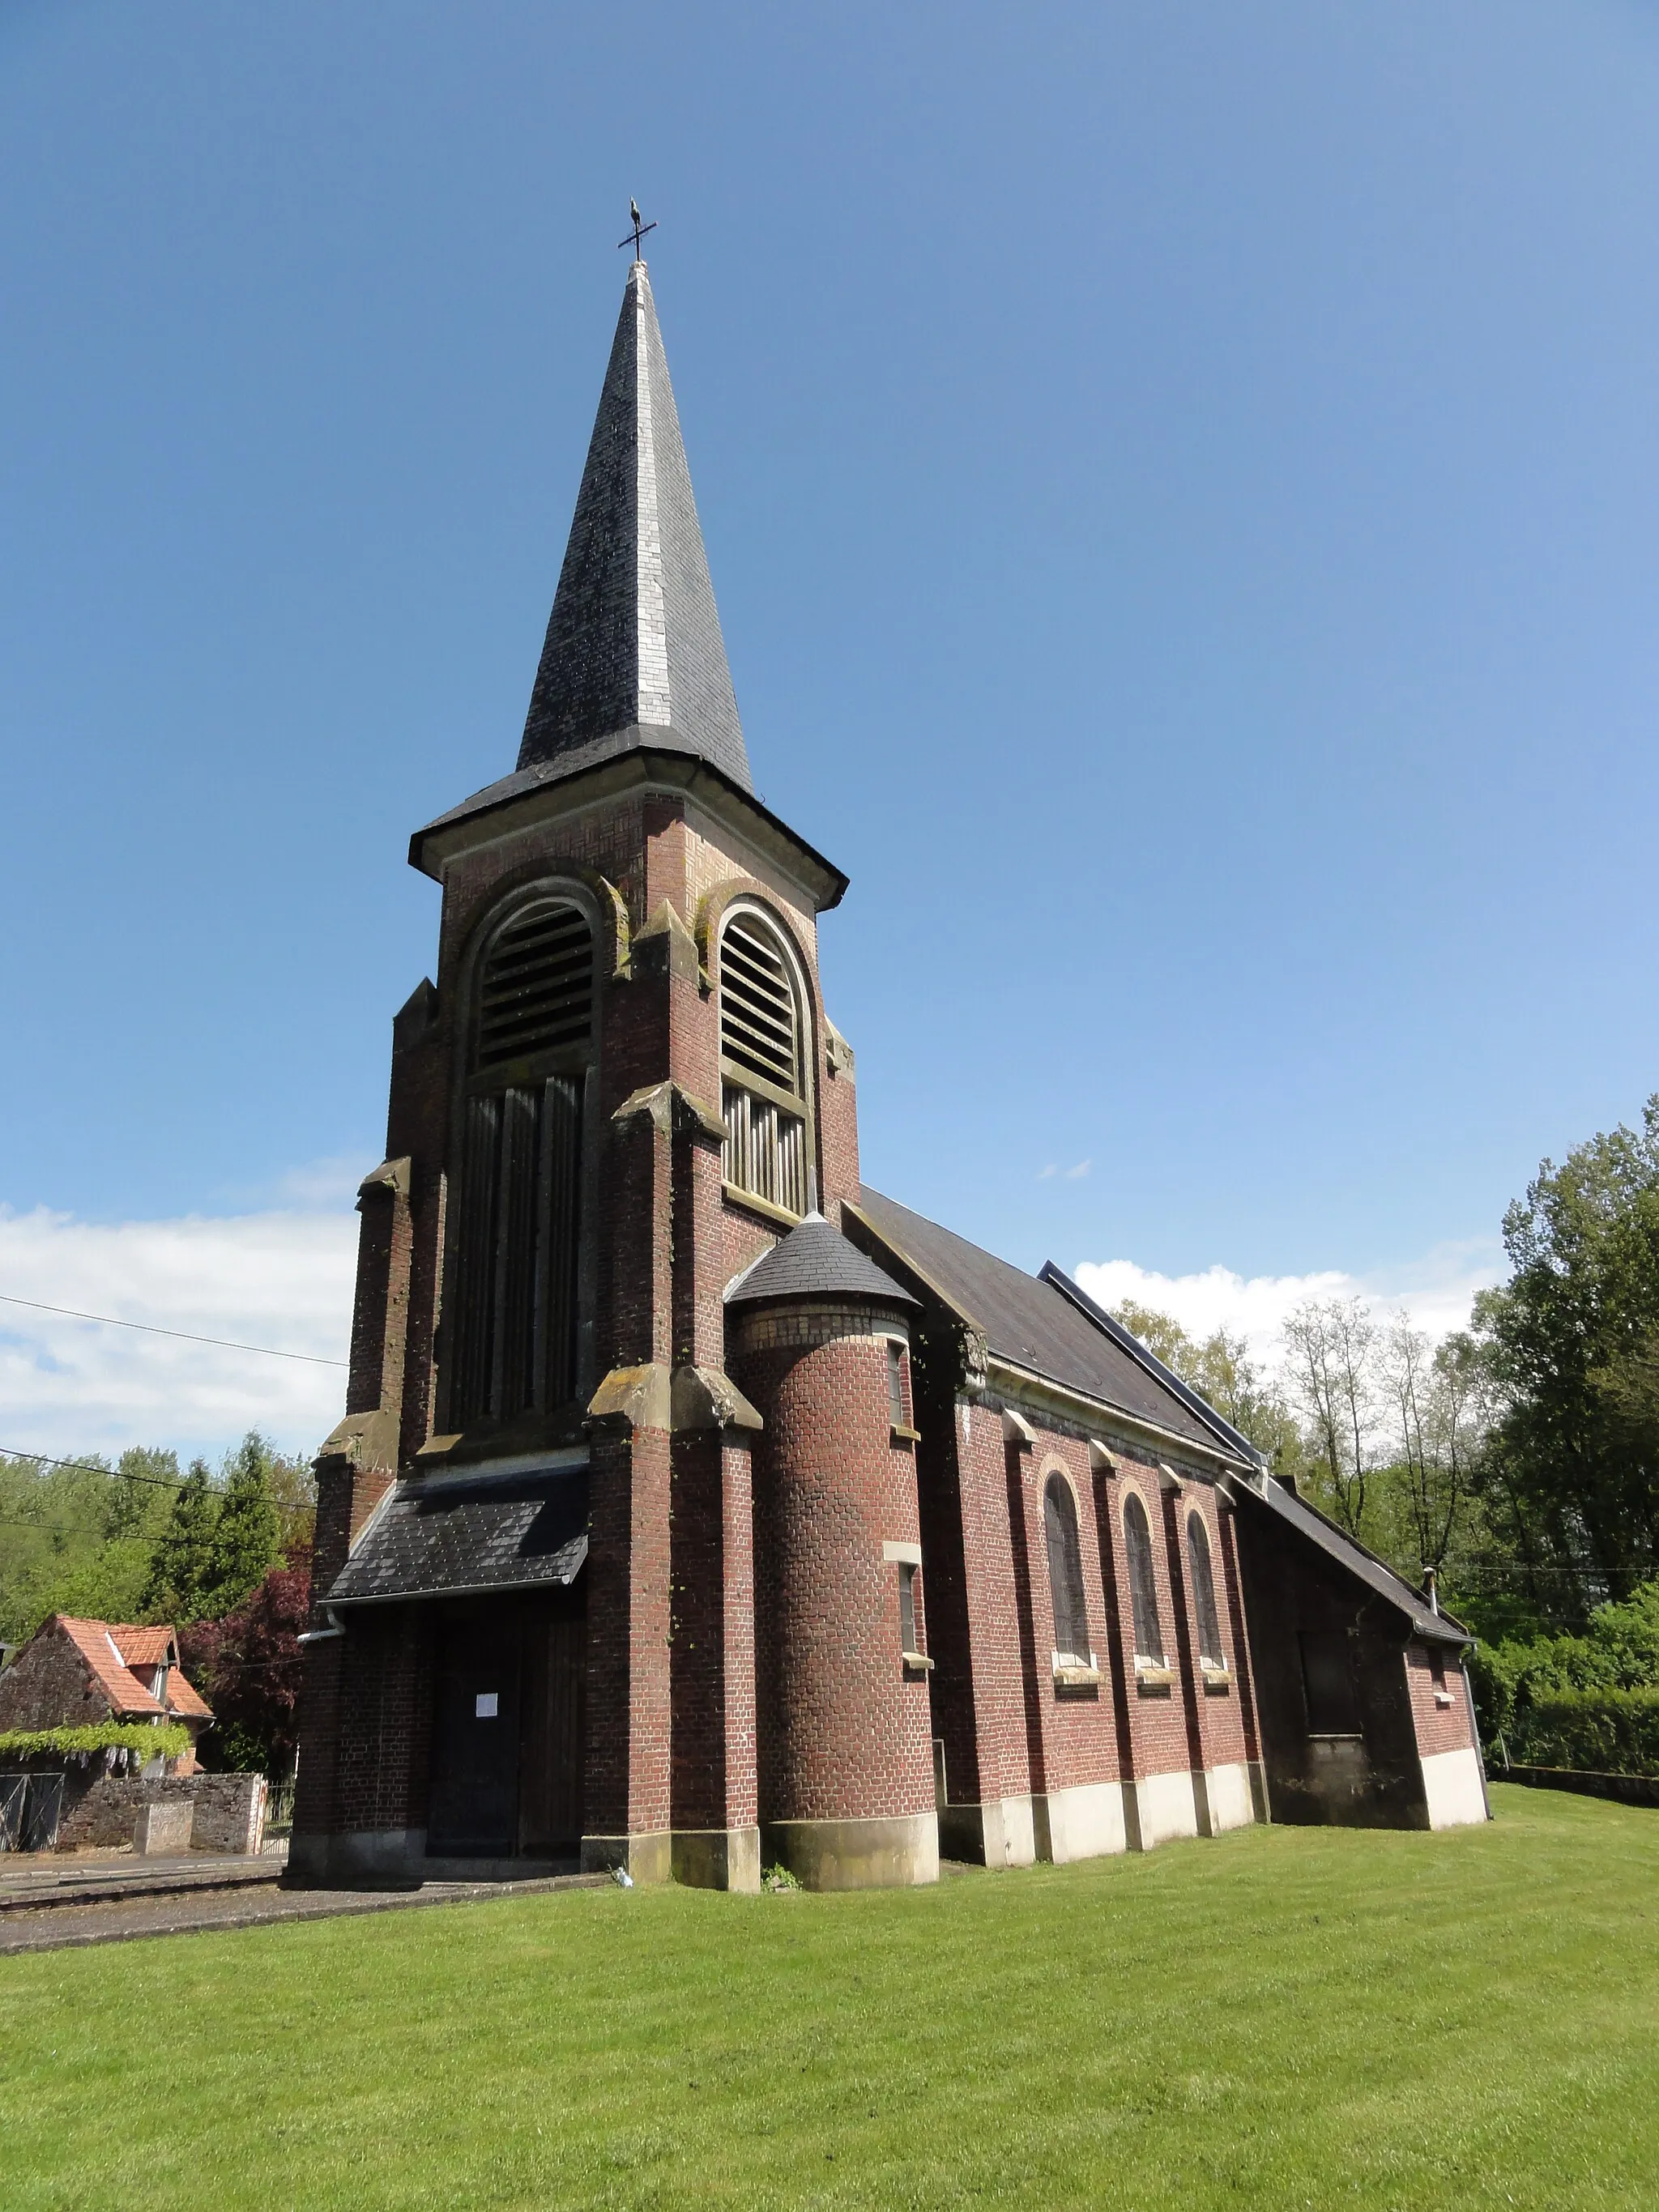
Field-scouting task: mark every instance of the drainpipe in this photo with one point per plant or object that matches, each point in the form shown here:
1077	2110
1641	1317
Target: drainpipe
336	1627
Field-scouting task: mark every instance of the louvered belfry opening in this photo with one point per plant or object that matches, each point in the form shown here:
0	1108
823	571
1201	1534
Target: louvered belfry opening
515	1288
763	1064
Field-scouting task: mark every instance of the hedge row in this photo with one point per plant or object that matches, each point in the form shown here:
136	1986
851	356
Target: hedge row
1595	1731
163	1740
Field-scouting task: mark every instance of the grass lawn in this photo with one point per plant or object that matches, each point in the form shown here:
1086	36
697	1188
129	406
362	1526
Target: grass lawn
1284	2017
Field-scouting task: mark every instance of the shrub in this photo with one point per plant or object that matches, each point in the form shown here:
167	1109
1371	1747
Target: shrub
1616	1659
1608	1731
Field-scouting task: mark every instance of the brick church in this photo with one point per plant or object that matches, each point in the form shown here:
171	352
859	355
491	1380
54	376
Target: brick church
696	1508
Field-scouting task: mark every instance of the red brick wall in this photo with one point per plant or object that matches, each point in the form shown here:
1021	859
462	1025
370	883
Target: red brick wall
1081	1724
713	1633
629	1684
993	1762
1438	1727
843	1730
364	1750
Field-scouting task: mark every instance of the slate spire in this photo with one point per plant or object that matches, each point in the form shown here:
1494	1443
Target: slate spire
634	654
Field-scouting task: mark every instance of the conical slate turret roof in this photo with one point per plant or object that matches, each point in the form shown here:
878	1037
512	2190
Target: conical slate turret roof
814	1261
634	655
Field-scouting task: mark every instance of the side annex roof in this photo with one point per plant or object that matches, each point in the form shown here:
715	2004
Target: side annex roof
1282	1503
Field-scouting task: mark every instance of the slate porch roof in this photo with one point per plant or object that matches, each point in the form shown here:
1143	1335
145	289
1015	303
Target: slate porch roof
440	1536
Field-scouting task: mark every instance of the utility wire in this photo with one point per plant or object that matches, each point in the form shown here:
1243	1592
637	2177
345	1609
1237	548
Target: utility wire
184	1336
81	1466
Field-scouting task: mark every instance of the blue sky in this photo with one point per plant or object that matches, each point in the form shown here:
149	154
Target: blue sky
1180	485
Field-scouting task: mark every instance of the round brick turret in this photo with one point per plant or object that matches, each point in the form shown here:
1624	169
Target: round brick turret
818	1340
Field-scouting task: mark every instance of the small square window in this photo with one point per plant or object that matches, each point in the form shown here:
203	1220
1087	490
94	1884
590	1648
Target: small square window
486	1705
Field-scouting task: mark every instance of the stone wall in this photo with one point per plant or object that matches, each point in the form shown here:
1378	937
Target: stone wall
101	1809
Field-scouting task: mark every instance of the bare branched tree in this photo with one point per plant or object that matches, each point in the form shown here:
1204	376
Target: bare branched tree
1330	1344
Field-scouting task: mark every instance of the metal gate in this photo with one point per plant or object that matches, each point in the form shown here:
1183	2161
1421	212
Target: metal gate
30	1804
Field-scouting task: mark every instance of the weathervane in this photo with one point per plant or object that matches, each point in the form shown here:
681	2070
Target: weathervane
639	229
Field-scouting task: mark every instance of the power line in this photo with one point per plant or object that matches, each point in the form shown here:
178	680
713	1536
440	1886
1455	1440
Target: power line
184	1336
82	1466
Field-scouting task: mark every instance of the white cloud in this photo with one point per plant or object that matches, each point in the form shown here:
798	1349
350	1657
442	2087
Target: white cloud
1076	1174
1435	1290
280	1278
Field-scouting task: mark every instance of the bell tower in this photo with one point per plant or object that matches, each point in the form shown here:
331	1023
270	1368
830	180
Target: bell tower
621	1091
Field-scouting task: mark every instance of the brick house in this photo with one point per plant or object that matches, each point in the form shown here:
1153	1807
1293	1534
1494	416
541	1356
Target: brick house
697	1506
73	1673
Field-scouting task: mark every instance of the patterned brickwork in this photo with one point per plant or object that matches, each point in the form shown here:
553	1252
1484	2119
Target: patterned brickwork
843	1728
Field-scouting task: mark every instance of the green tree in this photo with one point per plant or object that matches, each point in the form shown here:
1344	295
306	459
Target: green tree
1571	1342
182	1567
248	1535
1223	1375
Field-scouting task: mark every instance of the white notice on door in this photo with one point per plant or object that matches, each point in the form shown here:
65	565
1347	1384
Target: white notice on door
484	1705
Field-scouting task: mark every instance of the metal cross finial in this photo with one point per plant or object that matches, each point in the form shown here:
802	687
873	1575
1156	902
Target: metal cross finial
639	229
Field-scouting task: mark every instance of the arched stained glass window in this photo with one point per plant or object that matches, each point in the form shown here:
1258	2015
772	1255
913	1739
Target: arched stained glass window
1065	1572
1209	1621
512	1333
1143	1582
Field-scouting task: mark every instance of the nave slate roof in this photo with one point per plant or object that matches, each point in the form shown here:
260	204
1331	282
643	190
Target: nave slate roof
1045	1324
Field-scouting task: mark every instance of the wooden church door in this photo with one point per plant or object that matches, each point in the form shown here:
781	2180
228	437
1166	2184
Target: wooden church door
473	1813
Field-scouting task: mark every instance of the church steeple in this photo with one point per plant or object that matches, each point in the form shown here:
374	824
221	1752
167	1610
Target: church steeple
634	655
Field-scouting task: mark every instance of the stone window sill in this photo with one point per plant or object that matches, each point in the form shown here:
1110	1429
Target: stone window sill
916	1662
1157	1678
1335	1735
901	1435
1070	1674
736	1195
1443	1697
1218	1685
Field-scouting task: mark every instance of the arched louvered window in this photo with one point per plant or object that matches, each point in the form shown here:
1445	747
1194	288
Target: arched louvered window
763	1066
1209	1621
1066	1572
513	1316
1143	1582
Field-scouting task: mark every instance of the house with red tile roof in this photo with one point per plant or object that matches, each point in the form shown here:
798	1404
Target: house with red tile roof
74	1673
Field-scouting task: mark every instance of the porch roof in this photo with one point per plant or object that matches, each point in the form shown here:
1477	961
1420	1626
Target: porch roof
447	1535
